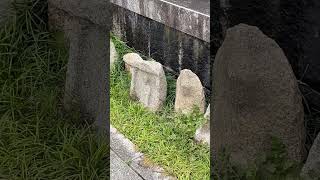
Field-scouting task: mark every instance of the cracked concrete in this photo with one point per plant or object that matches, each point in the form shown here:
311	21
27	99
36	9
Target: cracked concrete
120	169
128	163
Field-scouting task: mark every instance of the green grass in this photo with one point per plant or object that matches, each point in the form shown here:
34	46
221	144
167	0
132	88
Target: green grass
166	138
38	140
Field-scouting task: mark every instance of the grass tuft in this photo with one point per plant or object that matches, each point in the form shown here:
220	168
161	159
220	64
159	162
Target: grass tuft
37	139
273	164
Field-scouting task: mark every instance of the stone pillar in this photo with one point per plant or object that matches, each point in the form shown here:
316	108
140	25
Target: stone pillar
87	74
86	26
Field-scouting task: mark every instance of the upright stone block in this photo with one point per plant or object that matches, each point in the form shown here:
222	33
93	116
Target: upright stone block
189	93
148	81
88	70
256	97
86	26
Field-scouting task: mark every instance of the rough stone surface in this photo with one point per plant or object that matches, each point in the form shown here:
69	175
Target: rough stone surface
311	169
203	133
85	26
256	96
87	73
189	93
113	54
95	11
148	81
130	56
293	24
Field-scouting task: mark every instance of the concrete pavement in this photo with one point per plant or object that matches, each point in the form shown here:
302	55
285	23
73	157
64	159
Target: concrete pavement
126	163
120	169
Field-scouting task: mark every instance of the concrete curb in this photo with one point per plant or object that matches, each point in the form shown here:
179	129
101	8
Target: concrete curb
127	152
120	169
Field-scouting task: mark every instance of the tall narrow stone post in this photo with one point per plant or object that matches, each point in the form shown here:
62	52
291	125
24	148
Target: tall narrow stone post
87	74
86	25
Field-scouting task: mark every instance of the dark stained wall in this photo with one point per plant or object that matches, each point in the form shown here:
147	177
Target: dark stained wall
174	49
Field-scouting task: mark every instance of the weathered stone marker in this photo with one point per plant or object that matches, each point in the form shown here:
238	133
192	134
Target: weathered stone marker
86	25
148	81
311	169
256	96
189	93
203	133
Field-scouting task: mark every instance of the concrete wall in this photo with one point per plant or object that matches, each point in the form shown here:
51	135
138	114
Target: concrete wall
160	35
189	16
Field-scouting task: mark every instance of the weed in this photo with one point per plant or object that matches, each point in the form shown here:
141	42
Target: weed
37	139
274	164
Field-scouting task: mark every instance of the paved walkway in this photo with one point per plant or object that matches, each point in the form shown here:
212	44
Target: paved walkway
126	163
120	169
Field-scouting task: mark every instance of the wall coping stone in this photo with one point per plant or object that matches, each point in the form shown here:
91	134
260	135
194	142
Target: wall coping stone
96	11
188	16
